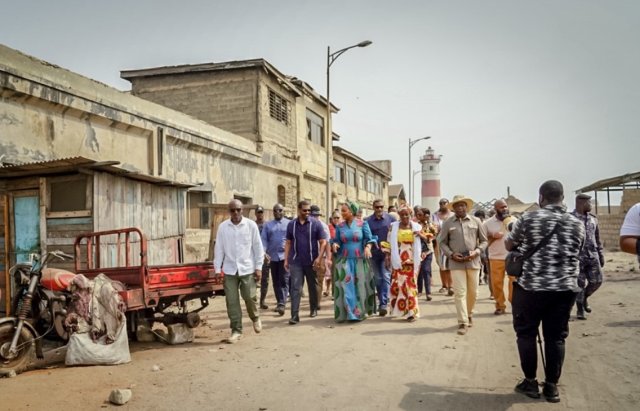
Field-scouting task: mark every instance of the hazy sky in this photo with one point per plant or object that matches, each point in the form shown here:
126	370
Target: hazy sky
512	92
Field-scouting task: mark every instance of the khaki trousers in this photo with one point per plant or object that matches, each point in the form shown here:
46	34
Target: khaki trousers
497	283
465	288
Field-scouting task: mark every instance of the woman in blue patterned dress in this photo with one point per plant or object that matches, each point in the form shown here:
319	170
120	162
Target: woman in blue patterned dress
354	285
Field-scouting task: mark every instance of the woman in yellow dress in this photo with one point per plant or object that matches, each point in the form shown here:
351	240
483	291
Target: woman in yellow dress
405	261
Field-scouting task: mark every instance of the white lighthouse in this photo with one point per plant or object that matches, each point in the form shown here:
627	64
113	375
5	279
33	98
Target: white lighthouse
430	179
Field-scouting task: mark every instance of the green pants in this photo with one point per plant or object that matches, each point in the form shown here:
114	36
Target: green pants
246	284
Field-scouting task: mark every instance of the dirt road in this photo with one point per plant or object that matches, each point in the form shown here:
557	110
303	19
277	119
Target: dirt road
379	364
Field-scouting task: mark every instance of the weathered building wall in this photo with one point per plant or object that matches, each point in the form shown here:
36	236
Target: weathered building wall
226	99
313	156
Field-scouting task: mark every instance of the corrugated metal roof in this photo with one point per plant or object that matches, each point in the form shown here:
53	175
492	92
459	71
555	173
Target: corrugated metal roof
611	182
73	164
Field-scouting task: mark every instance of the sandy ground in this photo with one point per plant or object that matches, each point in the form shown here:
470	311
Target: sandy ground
379	364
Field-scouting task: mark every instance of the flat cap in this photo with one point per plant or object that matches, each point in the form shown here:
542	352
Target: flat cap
583	196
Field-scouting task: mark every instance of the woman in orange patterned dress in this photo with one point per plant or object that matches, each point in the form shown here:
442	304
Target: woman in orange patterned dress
405	261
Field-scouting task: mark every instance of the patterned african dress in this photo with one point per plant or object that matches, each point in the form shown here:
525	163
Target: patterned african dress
353	283
404	294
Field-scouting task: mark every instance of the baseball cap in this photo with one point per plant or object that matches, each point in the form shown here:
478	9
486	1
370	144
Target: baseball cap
259	209
315	211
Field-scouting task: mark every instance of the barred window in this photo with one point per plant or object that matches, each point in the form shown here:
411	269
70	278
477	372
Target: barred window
278	107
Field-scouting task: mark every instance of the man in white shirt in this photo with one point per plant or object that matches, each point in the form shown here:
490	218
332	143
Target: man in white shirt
630	231
238	254
497	229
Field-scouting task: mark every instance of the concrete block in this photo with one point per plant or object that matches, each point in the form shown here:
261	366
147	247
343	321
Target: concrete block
180	334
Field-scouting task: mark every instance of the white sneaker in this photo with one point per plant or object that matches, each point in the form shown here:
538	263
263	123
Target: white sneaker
235	337
257	326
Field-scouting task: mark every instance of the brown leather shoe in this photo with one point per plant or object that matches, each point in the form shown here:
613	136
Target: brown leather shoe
462	329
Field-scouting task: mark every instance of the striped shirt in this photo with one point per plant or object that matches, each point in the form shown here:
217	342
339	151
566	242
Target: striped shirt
555	266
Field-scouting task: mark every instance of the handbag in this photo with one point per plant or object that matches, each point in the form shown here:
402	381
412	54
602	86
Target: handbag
515	259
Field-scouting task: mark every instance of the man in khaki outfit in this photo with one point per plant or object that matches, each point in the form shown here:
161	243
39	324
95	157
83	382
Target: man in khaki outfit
463	239
497	229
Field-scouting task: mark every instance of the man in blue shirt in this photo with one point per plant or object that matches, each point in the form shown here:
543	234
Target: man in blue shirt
304	247
379	224
273	238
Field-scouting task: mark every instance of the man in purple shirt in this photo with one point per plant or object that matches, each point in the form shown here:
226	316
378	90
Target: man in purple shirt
379	224
305	244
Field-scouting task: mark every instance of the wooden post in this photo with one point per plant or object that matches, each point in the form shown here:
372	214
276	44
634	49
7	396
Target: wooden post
7	260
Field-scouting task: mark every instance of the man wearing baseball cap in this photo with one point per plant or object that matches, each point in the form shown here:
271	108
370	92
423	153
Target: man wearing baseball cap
591	256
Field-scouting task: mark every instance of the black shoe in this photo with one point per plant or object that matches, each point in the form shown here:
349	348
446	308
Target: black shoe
450	292
382	312
429	298
580	311
550	392
314	313
529	388
280	310
586	305
264	306
294	320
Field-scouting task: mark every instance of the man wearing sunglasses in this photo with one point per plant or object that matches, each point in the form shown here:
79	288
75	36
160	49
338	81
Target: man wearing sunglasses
379	223
238	254
273	239
305	245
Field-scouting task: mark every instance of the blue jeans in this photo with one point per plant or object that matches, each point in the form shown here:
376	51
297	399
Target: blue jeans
298	274
424	276
383	281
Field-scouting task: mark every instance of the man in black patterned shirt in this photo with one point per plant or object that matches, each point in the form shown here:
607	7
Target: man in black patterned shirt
547	288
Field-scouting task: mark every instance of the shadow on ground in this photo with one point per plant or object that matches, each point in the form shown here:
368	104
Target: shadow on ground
429	397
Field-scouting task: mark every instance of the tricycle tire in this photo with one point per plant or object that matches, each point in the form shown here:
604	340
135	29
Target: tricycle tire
26	354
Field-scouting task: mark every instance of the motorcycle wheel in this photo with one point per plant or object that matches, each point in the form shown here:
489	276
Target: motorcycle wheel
26	354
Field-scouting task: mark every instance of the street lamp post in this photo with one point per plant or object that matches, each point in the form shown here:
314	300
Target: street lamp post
331	57
411	143
413	180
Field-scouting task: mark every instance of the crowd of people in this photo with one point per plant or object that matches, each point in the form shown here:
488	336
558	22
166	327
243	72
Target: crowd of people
381	265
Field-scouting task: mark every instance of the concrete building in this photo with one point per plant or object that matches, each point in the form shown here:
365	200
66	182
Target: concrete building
281	117
359	180
397	196
144	163
430	179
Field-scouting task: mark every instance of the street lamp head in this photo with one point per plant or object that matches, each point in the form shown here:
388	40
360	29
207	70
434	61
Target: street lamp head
365	43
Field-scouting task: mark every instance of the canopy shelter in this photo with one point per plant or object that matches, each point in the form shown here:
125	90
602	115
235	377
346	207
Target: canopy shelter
628	181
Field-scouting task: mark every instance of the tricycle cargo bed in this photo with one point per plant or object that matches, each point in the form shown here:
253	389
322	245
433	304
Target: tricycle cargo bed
146	286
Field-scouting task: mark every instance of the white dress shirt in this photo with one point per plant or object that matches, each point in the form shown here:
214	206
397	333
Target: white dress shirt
238	249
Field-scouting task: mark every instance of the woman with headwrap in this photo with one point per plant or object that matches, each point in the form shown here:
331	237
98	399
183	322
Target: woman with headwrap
353	283
406	248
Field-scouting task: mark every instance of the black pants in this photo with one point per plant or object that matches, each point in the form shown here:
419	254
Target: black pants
298	275
552	308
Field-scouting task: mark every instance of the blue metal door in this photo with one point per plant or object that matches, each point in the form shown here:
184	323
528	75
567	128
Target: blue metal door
26	217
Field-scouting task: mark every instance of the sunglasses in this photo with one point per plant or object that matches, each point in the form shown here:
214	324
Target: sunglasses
305	210
278	210
378	206
235	210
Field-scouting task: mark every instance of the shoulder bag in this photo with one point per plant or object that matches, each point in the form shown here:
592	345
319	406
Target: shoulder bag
515	259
